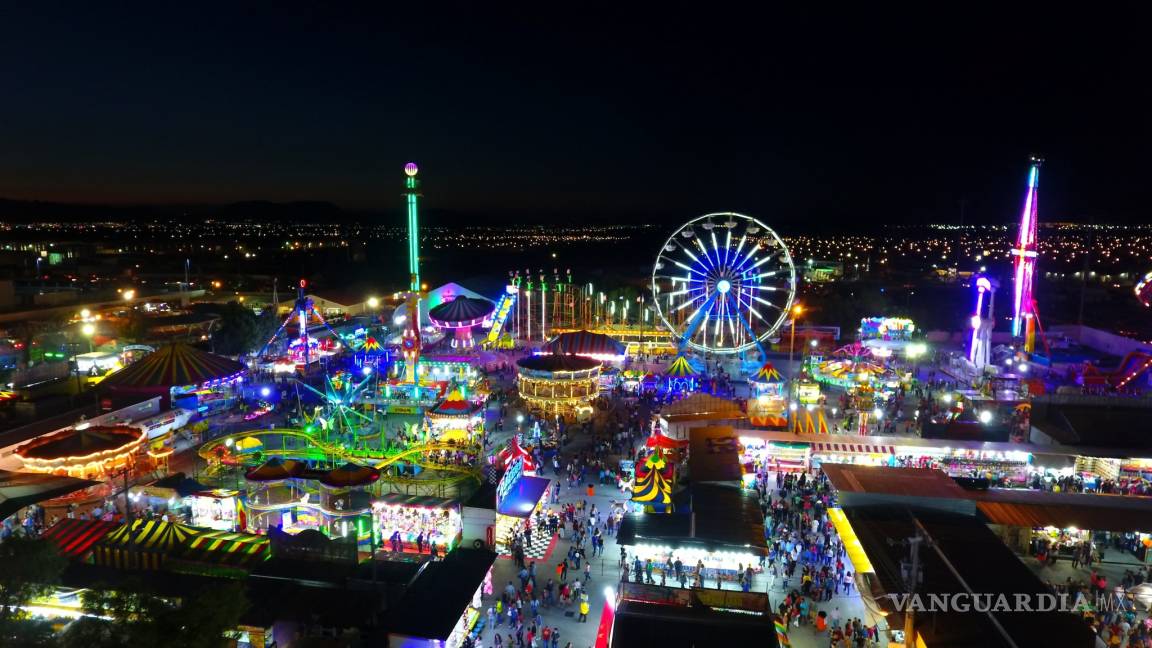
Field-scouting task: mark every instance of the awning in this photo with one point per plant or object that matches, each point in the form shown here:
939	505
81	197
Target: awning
852	448
852	545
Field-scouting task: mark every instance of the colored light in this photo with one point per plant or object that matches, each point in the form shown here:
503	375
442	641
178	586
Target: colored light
411	169
723	286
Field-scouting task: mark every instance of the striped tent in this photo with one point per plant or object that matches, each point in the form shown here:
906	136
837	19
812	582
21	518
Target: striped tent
652	488
453	406
225	548
74	538
652	485
768	373
585	343
680	368
852	448
175	365
141	545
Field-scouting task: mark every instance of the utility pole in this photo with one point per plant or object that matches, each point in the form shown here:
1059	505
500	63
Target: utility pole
911	581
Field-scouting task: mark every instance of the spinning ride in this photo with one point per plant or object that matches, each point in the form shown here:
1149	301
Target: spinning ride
341	404
302	348
723	283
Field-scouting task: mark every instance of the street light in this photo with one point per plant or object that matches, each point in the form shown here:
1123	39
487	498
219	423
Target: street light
129	294
373	302
797	309
88	330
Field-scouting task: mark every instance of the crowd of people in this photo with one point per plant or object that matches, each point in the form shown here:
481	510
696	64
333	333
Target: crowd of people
806	558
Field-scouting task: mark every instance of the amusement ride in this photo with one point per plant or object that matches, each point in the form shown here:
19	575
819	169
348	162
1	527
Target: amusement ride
723	283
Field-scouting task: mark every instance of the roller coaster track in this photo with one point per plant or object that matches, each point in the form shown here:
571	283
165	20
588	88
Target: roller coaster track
415	455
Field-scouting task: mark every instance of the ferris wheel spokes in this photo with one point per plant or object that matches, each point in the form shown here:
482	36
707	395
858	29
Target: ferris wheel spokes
725	299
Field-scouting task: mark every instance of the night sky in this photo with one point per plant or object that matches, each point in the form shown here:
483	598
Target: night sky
651	117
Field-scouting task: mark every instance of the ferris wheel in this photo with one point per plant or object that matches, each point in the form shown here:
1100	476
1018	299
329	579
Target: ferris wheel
723	283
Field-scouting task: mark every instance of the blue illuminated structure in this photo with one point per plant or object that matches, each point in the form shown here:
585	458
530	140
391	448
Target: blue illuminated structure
723	283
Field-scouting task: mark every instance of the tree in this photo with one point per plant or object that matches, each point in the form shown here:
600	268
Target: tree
137	326
239	331
28	568
133	616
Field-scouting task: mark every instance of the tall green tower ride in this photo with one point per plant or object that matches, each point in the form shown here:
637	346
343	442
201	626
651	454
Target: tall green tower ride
412	194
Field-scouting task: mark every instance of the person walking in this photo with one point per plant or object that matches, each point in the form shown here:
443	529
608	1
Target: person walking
583	609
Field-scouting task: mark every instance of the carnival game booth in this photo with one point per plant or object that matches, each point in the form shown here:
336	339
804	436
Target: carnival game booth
181	375
143	544
559	385
724	530
680	376
84	450
460	316
456	418
518	498
430	519
587	344
219	509
762	456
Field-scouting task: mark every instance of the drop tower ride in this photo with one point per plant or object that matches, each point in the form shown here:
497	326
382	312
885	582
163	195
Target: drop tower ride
1024	313
410	338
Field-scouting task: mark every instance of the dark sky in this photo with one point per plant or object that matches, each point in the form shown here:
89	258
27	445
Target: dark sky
657	115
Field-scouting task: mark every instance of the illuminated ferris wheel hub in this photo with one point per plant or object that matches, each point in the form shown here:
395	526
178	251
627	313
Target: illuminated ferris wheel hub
723	283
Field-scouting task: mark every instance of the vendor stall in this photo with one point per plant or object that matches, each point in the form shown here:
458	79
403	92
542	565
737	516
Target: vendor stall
518	498
215	509
403	519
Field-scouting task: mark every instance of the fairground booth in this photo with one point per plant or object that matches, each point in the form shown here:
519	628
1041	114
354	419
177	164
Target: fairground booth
456	418
518	498
407	518
559	385
768	406
680	376
978	538
22	489
443	605
182	375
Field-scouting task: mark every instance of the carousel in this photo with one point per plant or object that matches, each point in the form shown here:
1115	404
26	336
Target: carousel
84	451
559	385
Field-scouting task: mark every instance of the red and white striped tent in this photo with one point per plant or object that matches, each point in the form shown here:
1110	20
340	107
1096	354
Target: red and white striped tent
852	448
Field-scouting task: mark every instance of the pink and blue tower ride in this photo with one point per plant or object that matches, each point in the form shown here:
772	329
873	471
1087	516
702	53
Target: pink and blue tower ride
1024	254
